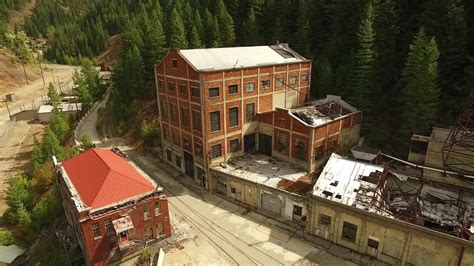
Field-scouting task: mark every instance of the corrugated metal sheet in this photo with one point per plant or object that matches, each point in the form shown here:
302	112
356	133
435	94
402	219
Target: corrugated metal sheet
239	57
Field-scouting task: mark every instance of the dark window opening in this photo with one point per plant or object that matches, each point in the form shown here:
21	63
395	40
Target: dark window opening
185	116
349	231
319	153
198	149
195	92
183	89
215	121
175	63
282	147
171	86
250	112
161	84
324	219
299	149
174	115
233	89
233	117
216	151
373	243
266	83
197	121
213	92
234	145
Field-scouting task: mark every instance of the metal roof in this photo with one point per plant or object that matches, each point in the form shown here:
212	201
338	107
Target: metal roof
213	59
9	253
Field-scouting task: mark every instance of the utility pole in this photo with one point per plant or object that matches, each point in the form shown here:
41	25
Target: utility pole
41	68
24	70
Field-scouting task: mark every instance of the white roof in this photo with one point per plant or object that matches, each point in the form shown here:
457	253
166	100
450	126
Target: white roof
9	253
65	107
341	181
212	59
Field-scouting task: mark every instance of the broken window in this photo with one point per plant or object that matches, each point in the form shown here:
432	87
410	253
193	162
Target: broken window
280	82
299	149
304	77
233	117
213	92
185	116
186	144
174	115
215	121
146	212
183	89
177	161
161	84
171	86
373	243
168	155
197	121
250	112
95	230
175	138
282	147
109	227
293	79
157	208
332	146
319	153
234	145
324	219
148	233
250	86
349	231
216	151
297	210
198	149
159	230
175	63
195	92
266	83
233	89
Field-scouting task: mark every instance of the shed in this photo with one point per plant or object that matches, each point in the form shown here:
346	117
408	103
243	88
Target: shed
8	254
45	111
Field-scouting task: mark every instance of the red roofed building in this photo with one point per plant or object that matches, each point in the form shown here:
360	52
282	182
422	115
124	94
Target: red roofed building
113	207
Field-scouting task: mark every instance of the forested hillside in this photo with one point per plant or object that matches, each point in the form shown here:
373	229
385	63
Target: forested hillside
405	63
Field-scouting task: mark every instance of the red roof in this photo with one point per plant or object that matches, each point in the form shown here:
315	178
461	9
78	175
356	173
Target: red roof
102	178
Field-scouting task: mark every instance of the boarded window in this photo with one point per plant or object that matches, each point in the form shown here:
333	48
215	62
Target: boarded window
250	112
300	150
215	121
349	231
234	145
171	86
213	92
280	82
293	79
233	117
250	86
185	116
216	151
282	145
324	219
174	115
233	89
183	89
197	121
195	92
175	63
266	84
95	230
319	153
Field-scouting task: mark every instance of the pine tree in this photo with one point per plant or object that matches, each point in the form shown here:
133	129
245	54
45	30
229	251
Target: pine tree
211	34
131	37
302	33
153	47
194	39
420	91
198	23
133	80
225	23
250	36
177	31
362	78
52	146
17	193
53	96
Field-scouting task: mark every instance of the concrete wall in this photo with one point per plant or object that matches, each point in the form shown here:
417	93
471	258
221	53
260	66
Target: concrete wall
25	115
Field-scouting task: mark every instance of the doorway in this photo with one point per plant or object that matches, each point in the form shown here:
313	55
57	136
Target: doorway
265	144
249	143
188	164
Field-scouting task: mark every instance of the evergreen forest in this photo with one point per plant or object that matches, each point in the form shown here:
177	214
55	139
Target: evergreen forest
408	65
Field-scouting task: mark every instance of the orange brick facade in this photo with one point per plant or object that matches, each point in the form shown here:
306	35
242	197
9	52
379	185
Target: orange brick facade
226	96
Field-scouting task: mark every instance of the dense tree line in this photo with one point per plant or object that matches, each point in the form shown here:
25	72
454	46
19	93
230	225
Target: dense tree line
379	55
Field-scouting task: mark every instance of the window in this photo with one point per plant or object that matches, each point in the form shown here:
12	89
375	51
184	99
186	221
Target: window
304	77
148	233
146	212
233	89
159	230
177	161
282	143
250	112
171	86
185	116
234	145
281	122
293	79
213	92
197	121
215	121
165	133
175	139
195	92
95	230
216	151
198	149
233	190
157	208
174	115
183	89
161	84
324	219
319	153
331	146
349	231
266	83
233	117
299	149
186	144
297	210
168	155
280	82
109	227
164	109
373	243
175	63
249	86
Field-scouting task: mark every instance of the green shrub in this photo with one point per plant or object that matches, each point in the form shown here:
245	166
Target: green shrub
148	132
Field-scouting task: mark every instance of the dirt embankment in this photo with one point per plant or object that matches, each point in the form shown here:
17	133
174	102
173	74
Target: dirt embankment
111	53
12	75
18	17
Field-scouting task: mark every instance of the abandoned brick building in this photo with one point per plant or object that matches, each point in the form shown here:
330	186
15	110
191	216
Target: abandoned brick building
113	208
220	103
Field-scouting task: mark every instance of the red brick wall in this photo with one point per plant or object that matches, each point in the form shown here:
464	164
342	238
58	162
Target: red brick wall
294	138
282	119
265	103
266	118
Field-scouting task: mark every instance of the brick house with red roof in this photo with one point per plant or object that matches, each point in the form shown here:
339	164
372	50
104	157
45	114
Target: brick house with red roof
113	207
